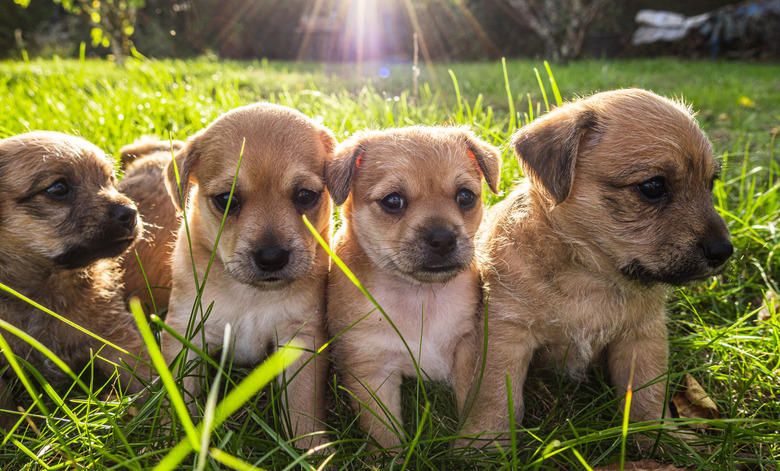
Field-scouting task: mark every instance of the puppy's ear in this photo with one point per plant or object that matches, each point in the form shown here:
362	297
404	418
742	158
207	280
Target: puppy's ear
184	162
339	171
328	141
548	148
488	160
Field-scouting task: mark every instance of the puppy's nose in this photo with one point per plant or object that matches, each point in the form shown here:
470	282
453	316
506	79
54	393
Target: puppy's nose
126	216
441	241
271	258
717	251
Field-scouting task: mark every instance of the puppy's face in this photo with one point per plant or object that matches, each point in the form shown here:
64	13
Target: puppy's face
59	205
415	197
264	241
634	183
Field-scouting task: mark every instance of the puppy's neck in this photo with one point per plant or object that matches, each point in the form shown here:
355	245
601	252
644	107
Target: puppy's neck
46	285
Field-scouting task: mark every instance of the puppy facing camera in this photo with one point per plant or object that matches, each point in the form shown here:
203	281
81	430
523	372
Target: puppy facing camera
62	226
268	275
412	203
617	205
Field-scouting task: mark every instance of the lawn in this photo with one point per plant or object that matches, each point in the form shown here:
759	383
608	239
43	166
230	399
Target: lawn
715	334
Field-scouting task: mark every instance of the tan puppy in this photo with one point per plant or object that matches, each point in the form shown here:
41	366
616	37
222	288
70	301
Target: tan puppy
62	225
413	205
144	162
617	205
269	273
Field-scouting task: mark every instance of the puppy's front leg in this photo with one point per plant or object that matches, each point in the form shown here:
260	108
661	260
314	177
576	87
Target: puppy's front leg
647	347
372	386
305	391
509	352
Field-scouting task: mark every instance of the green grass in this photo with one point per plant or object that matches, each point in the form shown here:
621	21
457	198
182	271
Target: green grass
714	332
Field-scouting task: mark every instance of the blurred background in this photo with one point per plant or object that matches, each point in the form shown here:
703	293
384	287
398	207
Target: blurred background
392	30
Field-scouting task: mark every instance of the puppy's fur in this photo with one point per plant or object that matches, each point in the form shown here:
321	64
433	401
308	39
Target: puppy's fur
269	273
415	256
617	205
144	162
62	225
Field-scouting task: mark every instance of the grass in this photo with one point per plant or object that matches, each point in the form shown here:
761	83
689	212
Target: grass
715	335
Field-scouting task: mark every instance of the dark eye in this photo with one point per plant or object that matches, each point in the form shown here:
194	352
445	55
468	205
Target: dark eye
59	190
306	198
221	202
653	189
465	198
393	203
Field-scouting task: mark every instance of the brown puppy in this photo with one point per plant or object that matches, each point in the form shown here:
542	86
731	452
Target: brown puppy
413	205
62	225
144	162
617	205
269	273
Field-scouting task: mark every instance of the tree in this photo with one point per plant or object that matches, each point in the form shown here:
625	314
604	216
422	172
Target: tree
113	21
560	24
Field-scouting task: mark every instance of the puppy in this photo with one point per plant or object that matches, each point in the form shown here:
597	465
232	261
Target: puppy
62	226
147	268
412	205
268	276
617	205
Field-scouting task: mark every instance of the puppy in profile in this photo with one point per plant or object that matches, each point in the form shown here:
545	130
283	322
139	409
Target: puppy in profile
412	205
148	275
268	276
616	207
62	226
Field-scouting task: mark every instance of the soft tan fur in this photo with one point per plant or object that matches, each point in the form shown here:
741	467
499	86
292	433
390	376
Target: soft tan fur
577	259
267	303
144	182
62	226
395	255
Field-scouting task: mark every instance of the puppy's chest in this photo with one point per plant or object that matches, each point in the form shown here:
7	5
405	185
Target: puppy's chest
430	319
257	318
581	327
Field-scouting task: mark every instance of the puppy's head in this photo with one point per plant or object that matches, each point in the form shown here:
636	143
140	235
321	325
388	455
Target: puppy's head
629	174
414	197
264	241
59	206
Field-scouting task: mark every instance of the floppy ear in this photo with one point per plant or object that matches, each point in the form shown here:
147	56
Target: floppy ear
488	160
547	149
339	171
184	162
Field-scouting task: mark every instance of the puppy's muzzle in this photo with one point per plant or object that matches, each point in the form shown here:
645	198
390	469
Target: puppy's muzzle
271	259
441	242
716	251
122	218
115	233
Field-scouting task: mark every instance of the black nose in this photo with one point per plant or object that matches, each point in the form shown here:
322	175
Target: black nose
441	241
125	216
271	258
717	251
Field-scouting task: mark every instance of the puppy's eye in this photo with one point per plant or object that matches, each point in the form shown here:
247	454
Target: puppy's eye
221	202
653	189
306	198
59	190
393	203
465	198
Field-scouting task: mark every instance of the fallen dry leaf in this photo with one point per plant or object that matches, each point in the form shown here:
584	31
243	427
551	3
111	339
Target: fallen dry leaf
644	465
771	300
694	403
